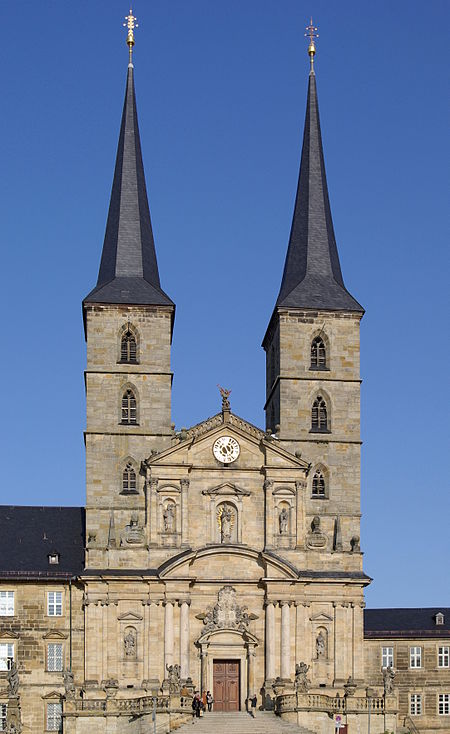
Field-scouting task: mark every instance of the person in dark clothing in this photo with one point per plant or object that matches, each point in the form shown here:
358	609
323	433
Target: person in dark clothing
197	706
253	702
209	700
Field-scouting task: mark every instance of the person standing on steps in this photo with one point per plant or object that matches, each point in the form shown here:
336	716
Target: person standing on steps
209	700
196	706
253	702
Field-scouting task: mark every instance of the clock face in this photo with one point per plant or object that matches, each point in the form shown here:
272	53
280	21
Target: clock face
226	449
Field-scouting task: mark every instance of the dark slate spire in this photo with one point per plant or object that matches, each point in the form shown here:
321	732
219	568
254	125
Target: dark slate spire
128	269
312	275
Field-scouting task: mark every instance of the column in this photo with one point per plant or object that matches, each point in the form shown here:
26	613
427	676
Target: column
168	635
113	626
358	641
204	671
104	647
340	633
152	484
146	639
285	640
184	639
184	512
251	670
270	641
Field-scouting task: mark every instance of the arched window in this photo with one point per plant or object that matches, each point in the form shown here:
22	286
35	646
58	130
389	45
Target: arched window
129	408
318	354
129	479
319	418
128	348
318	484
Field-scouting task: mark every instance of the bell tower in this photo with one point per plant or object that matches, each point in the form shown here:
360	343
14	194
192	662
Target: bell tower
128	324
312	347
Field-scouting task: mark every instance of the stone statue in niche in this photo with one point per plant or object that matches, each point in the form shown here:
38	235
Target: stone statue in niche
69	685
283	521
388	680
169	518
13	680
174	678
302	682
129	643
225	516
321	645
134	533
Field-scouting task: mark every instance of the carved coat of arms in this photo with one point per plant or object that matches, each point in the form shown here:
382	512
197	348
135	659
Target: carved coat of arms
226	614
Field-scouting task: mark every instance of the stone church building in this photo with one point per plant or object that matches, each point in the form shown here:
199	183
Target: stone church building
224	557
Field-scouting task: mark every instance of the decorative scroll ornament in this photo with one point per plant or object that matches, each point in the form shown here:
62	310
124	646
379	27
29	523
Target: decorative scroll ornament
226	614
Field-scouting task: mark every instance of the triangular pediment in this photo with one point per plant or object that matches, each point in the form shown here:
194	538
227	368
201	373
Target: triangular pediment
55	635
52	694
227	488
130	617
321	617
8	635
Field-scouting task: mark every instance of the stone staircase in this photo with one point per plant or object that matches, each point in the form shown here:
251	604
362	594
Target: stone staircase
265	722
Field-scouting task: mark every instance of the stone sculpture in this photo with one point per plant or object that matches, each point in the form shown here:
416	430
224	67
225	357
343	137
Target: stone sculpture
226	614
174	678
283	521
321	645
302	682
13	680
169	518
226	523
69	685
129	643
388	680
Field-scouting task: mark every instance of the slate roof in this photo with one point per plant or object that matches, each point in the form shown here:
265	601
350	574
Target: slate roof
129	269
312	276
409	622
29	534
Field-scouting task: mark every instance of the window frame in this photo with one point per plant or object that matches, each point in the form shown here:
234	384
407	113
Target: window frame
415	704
388	657
315	359
319	409
54	656
128	470
6	607
444	702
3	716
319	470
414	656
9	647
53	721
126	411
443	658
55	604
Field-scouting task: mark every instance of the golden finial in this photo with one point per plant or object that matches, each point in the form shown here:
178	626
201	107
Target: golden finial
311	33
131	25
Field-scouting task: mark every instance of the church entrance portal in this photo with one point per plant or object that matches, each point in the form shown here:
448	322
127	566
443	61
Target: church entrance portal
226	685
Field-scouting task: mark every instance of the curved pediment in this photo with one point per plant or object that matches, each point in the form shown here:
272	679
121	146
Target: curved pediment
227	636
227	562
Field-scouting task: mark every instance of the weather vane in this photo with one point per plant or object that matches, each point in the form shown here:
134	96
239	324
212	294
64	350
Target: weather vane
311	33
131	25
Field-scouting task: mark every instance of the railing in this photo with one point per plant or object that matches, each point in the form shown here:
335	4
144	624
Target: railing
321	702
411	725
142	705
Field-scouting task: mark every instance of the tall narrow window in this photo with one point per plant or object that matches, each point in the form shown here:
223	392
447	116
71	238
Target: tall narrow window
3	713
129	408
444	704
129	479
54	603
6	655
128	349
318	354
444	656
54	717
6	603
319	417
318	484
415	704
387	657
55	656
415	657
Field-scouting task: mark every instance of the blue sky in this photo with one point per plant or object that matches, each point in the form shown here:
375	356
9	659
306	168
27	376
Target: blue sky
221	91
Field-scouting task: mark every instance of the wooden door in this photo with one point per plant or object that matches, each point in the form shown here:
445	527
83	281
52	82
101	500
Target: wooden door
226	685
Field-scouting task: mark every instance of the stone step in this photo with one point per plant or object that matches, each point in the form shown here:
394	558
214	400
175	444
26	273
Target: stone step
265	722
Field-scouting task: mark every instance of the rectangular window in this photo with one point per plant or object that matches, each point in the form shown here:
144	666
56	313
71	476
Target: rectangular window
415	704
6	603
3	710
387	657
54	717
55	656
6	655
415	657
444	657
54	603
444	704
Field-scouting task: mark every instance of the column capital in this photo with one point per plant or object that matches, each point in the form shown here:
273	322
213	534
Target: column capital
284	603
153	483
362	604
184	483
268	484
300	485
269	602
184	601
306	604
166	602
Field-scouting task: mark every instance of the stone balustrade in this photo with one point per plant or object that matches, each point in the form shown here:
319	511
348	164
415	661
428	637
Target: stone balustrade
287	702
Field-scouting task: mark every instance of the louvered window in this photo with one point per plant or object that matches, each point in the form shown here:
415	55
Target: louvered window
128	351
318	484
319	418
55	656
129	479
129	408
318	354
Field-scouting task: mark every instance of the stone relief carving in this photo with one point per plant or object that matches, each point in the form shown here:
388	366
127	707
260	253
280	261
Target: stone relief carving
134	533
226	614
388	680
130	643
174	678
321	645
226	518
13	680
302	682
69	685
316	539
283	521
169	517
354	544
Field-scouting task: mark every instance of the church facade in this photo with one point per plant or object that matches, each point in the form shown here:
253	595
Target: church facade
223	557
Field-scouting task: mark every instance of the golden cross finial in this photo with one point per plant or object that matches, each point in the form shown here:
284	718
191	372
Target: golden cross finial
311	33
131	25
